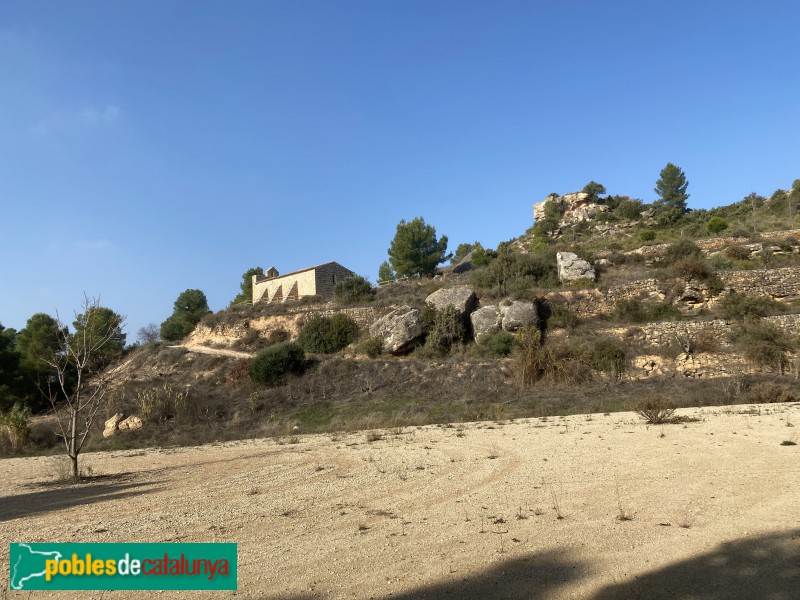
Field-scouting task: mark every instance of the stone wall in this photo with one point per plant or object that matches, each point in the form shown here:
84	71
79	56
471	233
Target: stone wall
661	335
291	286
711	246
314	281
327	276
291	321
778	284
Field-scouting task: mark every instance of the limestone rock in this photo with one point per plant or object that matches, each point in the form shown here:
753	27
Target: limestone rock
518	314
130	423
401	330
111	425
574	208
570	267
461	297
485	320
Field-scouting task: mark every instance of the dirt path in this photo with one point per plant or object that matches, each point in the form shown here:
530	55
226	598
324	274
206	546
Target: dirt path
214	351
705	509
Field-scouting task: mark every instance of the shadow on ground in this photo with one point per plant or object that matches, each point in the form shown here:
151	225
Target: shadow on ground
764	568
530	577
52	499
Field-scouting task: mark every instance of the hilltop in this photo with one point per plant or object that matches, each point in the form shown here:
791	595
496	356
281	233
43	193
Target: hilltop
680	312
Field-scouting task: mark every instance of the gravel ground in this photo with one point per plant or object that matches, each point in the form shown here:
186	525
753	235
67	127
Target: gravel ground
588	506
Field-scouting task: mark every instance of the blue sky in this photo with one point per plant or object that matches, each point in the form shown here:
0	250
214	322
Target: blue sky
150	147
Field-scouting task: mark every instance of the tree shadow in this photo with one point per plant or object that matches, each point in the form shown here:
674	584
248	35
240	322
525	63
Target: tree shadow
58	498
531	577
765	567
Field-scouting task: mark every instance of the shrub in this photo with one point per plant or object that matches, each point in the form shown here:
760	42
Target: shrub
630	210
630	310
608	356
762	343
737	252
327	334
273	364
691	267
562	361
648	235
498	344
767	391
372	347
161	404
562	317
512	272
682	249
740	306
740	233
353	289
14	428
445	327
655	409
716	225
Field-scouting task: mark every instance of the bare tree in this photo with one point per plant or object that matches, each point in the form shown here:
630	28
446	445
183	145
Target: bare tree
76	390
149	334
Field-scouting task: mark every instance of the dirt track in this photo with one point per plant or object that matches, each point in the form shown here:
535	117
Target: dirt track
705	509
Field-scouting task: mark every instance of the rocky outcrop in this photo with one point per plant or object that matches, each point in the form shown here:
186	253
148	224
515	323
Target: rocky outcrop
574	208
461	297
117	423
485	320
130	423
519	314
111	425
401	330
571	268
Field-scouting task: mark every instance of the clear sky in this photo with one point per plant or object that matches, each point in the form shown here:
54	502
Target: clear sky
147	147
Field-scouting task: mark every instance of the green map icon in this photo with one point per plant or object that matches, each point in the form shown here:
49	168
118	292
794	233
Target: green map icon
28	564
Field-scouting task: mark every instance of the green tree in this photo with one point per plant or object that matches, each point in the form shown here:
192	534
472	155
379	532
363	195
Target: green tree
551	220
415	249
246	295
37	343
671	189
594	189
9	369
189	308
98	324
385	273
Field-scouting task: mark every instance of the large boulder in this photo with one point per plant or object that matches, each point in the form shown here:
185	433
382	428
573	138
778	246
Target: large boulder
401	330
519	314
485	320
570	267
111	425
461	297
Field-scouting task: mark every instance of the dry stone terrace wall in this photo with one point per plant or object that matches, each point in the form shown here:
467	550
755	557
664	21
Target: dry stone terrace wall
713	245
660	335
291	321
781	284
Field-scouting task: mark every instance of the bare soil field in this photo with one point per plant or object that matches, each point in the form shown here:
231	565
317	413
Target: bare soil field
597	506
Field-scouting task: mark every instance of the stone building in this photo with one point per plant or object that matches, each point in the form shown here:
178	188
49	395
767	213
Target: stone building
313	281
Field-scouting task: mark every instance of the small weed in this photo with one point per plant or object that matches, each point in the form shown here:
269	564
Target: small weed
374	436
